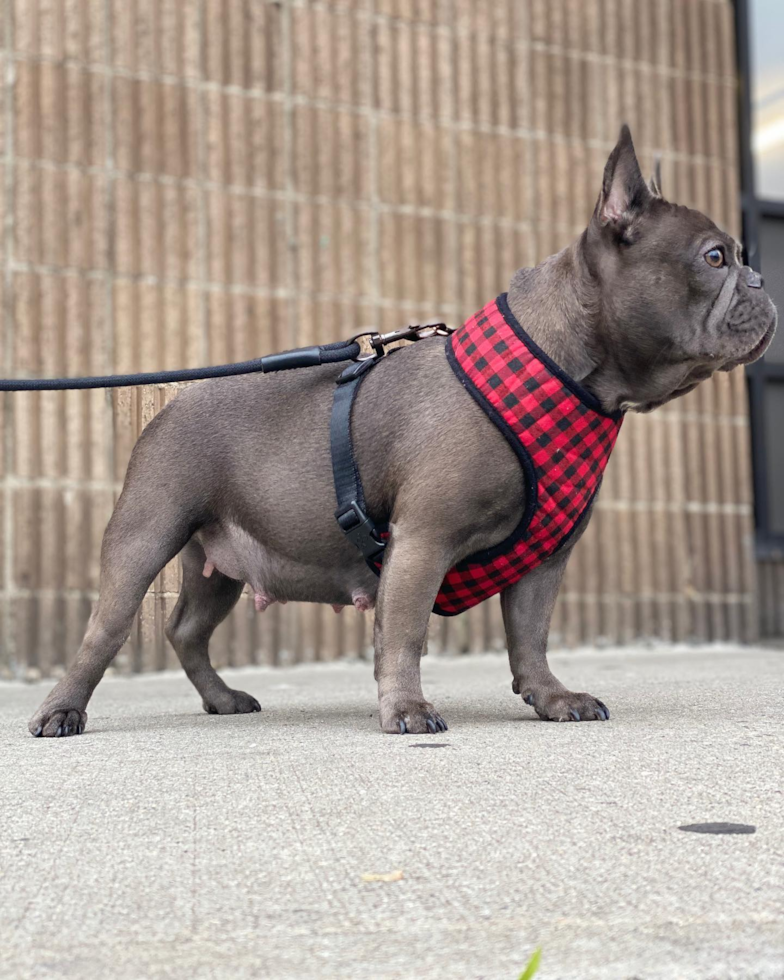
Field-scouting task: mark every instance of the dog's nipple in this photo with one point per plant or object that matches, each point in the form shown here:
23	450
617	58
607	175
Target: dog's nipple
262	601
362	601
209	568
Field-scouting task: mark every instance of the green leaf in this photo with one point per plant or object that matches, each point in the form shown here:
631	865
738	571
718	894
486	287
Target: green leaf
533	965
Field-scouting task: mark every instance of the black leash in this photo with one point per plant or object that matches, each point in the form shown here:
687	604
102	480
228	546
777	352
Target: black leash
342	350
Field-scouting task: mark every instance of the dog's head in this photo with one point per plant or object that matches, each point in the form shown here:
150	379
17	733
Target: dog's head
676	301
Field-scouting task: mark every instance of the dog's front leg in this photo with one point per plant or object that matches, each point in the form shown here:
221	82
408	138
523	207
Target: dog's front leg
414	567
527	607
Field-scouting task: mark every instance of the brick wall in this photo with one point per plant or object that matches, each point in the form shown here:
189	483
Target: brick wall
195	181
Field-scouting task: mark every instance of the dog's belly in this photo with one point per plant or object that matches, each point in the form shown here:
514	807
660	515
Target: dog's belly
273	577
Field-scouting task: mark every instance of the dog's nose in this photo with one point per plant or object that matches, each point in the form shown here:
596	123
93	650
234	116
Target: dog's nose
753	279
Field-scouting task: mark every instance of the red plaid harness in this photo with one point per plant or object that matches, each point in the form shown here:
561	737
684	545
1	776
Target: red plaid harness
559	432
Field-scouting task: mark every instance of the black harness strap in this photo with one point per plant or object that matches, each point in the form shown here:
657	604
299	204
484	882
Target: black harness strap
350	512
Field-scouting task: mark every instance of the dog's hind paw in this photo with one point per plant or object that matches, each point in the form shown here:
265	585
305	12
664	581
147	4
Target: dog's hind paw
57	722
399	716
231	702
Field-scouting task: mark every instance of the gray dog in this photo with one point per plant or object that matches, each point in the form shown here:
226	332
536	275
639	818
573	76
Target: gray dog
235	474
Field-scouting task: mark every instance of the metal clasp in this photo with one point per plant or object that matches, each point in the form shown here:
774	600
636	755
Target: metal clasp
414	331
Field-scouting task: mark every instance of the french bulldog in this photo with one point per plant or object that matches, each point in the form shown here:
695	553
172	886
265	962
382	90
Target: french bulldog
234	475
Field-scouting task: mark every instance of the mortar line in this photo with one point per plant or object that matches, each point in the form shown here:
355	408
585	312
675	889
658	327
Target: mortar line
201	187
593	57
298	197
674	506
9	313
237	289
111	230
454	172
375	233
290	625
288	157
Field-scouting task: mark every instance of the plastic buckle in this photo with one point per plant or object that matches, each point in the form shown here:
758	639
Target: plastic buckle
360	530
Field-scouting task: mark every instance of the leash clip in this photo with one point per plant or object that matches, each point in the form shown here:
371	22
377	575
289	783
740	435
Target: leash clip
414	331
426	330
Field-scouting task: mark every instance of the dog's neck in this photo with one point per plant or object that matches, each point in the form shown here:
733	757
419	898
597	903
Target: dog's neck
557	303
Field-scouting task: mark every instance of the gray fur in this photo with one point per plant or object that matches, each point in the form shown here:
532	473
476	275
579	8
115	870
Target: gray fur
235	473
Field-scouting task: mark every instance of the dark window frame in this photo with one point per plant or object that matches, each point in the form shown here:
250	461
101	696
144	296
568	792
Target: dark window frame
759	375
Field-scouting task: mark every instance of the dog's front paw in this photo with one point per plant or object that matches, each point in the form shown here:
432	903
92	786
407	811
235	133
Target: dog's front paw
57	722
566	706
400	716
230	702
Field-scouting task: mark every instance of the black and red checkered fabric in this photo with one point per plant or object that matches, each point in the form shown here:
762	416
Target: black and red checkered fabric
565	437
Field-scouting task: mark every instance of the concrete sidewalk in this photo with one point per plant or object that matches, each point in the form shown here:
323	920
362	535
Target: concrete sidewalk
168	843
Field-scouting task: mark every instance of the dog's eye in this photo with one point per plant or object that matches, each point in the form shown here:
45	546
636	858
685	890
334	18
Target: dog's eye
715	258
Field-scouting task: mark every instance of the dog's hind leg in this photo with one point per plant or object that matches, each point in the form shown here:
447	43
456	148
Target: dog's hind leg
205	602
145	532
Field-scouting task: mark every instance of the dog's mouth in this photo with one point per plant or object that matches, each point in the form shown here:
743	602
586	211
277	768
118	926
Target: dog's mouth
759	348
756	351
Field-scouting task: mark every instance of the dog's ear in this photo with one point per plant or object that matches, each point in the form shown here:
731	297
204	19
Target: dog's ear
624	192
655	183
